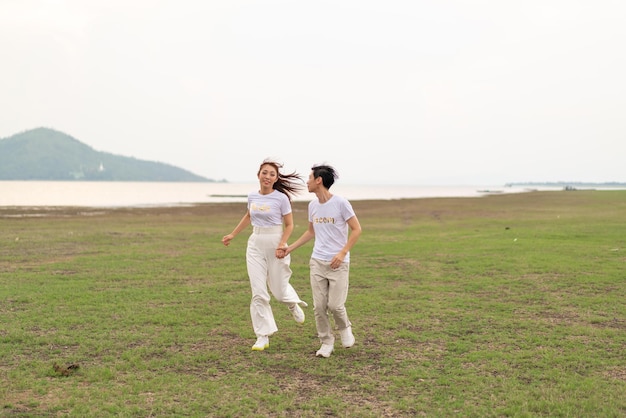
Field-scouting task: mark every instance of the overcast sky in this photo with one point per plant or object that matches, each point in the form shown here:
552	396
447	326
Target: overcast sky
433	92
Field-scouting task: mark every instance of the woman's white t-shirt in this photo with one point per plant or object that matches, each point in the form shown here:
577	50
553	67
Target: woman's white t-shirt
268	209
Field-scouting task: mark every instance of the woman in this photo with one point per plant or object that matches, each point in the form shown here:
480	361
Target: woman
269	212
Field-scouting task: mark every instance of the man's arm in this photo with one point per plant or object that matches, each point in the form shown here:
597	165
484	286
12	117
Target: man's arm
307	236
353	237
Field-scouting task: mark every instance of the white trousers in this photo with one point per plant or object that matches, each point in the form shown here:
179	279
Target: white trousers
265	270
330	292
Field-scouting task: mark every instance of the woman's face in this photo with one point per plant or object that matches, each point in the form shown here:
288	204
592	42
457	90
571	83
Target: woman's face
267	176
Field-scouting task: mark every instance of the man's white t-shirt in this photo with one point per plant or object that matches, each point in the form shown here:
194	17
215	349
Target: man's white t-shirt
269	209
329	221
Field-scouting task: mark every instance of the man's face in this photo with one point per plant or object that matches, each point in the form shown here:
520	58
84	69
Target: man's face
312	183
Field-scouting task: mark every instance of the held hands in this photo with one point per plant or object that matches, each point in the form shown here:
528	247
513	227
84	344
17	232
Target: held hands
335	263
282	252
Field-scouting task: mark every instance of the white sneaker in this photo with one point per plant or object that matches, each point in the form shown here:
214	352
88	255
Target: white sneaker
261	343
297	312
347	339
324	351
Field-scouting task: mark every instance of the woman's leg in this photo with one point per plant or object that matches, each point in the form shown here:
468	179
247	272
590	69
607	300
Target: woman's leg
261	313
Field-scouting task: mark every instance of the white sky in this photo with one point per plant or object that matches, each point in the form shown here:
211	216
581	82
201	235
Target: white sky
433	92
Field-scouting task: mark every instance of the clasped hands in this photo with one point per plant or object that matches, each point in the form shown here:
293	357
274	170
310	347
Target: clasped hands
282	252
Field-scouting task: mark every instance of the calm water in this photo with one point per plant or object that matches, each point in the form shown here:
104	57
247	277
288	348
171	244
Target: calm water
112	194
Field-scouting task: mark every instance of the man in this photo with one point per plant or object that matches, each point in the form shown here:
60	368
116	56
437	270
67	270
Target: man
335	227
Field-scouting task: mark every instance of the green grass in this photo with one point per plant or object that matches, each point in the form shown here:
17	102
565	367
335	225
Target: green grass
506	305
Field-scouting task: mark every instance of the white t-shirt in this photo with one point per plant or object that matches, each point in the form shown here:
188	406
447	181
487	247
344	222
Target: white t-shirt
330	225
269	209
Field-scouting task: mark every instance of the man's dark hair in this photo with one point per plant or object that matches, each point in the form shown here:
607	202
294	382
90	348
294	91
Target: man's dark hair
327	173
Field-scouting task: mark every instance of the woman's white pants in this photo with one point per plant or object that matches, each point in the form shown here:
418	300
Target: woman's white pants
266	271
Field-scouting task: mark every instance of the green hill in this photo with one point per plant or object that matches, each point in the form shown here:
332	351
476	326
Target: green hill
46	154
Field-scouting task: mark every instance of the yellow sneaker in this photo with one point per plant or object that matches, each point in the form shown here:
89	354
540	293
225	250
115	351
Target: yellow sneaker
261	343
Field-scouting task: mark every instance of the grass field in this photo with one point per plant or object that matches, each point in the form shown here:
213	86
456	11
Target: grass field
505	305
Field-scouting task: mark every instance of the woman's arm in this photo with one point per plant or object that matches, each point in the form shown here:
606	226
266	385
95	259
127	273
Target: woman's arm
243	223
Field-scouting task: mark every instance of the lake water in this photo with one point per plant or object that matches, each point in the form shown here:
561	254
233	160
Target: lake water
119	194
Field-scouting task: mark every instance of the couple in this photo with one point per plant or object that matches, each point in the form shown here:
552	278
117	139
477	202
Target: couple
267	254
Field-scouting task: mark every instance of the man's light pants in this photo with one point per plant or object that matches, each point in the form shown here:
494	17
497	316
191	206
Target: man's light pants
330	291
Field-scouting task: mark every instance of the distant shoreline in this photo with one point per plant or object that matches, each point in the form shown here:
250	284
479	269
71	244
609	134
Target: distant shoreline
44	211
566	183
132	194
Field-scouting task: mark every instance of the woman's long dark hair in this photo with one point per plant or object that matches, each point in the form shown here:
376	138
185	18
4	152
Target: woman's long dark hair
290	184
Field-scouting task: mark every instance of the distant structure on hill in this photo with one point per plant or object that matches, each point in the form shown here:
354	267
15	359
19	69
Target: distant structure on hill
47	154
